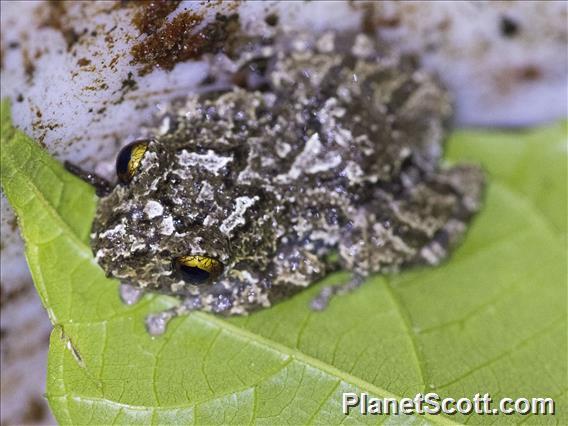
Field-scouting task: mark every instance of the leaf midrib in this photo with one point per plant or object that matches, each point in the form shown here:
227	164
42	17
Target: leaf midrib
271	345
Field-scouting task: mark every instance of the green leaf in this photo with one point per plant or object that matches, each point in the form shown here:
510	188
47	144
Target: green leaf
492	319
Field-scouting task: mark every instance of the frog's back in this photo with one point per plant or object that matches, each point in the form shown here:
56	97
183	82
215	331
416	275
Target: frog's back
359	114
355	116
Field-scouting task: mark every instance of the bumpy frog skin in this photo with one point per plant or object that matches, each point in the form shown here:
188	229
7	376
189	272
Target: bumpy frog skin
333	164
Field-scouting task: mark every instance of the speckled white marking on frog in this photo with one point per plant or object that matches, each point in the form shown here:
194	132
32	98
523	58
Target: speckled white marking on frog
267	162
100	253
398	243
178	286
283	149
433	253
117	230
302	226
326	43
363	47
343	137
326	237
154	184
138	245
245	276
249	175
150	159
153	209
209	220
210	161
236	217
311	160
205	193
353	172
167	226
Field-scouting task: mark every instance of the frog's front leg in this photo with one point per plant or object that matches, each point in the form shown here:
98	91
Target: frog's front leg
102	186
156	324
353	254
237	293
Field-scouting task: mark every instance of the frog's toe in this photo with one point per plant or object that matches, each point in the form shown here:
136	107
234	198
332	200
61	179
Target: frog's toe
321	301
156	324
129	294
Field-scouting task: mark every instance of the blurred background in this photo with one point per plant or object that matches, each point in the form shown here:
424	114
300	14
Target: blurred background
80	87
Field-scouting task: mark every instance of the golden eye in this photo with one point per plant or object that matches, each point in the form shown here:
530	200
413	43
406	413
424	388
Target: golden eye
129	158
198	269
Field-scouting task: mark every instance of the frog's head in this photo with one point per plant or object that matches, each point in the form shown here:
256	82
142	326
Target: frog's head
175	223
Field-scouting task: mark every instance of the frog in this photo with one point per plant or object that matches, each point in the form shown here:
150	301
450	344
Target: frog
242	196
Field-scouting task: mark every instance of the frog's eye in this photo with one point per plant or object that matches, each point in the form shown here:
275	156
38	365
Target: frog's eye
129	158
198	269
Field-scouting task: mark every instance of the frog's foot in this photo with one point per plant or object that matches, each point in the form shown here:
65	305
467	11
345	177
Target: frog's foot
156	324
321	301
129	294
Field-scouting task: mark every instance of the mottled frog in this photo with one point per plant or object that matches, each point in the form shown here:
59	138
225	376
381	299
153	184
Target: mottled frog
244	196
